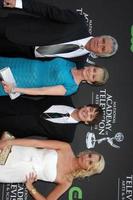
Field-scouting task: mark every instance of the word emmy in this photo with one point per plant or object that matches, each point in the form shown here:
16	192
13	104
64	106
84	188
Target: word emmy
131	48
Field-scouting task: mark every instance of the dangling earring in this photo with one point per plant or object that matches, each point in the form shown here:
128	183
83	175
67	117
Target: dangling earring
84	81
86	122
89	82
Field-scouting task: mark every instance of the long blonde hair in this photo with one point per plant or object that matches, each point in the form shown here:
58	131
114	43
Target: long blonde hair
96	168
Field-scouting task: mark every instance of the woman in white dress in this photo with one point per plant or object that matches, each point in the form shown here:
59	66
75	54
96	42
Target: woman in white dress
47	160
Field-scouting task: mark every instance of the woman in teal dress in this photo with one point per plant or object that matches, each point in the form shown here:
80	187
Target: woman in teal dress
55	77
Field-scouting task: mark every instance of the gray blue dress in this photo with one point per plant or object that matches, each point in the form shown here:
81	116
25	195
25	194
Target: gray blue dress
30	73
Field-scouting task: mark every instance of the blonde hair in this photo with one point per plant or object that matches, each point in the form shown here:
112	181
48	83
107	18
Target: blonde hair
96	168
104	78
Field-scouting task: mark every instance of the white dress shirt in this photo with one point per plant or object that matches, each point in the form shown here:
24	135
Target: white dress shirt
79	52
61	109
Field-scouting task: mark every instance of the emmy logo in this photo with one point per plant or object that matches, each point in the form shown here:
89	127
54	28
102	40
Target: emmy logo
91	140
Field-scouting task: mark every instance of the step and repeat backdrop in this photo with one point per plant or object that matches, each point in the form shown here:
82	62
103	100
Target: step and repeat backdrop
113	136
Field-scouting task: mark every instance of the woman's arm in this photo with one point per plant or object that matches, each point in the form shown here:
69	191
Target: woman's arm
52	90
54	195
49	144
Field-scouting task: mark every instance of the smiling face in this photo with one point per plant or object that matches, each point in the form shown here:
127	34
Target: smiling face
87	114
93	74
88	160
100	45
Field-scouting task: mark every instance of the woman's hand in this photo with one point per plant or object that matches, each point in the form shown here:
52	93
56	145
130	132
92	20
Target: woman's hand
3	144
5	140
8	88
30	179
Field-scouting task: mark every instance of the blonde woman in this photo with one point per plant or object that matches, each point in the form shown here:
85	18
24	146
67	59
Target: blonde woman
55	77
47	160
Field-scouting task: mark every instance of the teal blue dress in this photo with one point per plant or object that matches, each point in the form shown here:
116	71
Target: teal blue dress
30	73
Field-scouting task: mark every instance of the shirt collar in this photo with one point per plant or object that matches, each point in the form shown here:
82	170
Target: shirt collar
62	109
84	41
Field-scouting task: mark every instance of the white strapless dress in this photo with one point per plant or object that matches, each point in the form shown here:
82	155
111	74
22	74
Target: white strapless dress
23	160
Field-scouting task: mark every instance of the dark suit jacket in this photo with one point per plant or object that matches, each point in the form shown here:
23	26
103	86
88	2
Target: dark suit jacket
21	117
50	25
46	26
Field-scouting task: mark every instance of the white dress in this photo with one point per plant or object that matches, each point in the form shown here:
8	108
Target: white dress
23	160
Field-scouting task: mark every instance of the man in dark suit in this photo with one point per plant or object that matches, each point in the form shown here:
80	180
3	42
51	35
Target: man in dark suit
25	117
25	35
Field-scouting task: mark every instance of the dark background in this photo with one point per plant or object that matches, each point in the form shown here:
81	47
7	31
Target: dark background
114	18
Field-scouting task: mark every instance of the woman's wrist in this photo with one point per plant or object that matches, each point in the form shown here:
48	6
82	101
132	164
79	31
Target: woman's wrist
29	186
19	90
13	89
9	142
32	189
16	89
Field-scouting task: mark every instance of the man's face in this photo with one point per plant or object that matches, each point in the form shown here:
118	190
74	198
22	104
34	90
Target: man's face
87	114
100	45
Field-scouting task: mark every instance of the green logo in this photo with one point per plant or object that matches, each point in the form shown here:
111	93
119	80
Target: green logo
75	193
131	48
